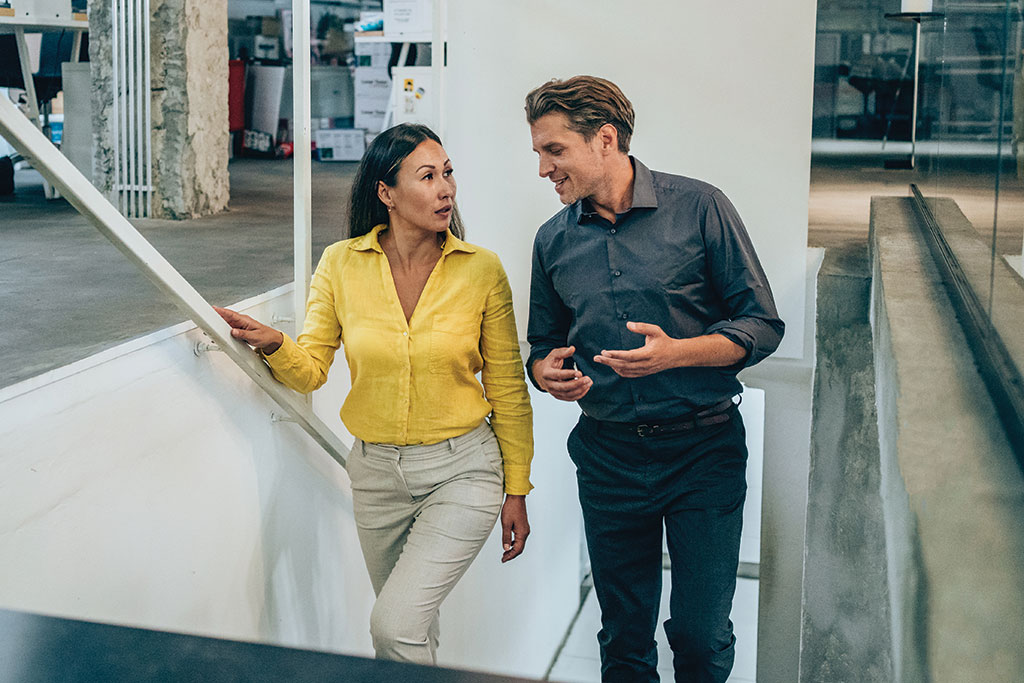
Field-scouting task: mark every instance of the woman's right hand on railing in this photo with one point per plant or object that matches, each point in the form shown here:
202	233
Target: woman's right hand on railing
252	332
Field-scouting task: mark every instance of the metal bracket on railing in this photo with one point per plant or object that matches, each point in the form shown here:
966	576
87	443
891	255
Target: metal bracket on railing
281	417
202	346
276	319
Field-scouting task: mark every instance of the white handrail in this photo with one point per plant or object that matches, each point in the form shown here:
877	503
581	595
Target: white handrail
55	167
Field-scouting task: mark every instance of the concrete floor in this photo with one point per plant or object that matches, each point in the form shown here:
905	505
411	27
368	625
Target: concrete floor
67	293
841	188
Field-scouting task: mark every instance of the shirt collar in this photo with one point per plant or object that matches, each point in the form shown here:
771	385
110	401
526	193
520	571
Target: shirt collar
371	242
643	186
644	196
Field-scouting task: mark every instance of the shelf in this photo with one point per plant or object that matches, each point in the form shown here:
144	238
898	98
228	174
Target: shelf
378	37
78	22
915	16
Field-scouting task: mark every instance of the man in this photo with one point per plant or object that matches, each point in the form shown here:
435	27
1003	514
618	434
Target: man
646	299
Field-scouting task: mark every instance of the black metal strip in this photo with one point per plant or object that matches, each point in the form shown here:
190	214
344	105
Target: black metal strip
1001	375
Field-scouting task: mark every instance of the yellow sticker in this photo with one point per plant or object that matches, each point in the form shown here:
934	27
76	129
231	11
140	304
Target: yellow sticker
408	85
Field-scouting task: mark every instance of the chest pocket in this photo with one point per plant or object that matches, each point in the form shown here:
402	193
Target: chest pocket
682	275
455	343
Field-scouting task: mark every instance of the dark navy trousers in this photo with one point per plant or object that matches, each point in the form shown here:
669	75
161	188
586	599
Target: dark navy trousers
692	484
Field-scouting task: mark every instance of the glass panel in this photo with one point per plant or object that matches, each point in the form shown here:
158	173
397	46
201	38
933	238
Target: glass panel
1009	222
973	62
966	141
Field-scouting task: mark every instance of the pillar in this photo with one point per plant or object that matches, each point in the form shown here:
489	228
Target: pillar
189	76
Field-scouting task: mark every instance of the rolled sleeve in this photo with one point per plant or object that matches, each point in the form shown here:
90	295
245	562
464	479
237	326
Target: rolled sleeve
737	276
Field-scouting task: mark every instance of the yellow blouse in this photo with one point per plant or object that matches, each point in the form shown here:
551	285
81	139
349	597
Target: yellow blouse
417	382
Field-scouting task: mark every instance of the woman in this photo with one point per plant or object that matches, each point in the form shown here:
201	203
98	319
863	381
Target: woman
420	313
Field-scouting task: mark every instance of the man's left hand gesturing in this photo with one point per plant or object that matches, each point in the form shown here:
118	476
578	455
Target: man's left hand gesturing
659	352
662	352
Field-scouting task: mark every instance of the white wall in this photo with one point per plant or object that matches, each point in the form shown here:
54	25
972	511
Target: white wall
722	92
147	486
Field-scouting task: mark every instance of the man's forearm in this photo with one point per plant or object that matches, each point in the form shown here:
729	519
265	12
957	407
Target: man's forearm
707	351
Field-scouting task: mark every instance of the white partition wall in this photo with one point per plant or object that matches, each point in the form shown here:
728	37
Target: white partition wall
722	92
149	486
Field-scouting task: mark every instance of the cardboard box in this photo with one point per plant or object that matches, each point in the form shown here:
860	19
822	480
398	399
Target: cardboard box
266	47
340	144
257	143
371	84
372	91
376	55
270	26
370	117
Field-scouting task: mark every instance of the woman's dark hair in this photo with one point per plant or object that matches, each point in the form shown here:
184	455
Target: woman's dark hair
381	161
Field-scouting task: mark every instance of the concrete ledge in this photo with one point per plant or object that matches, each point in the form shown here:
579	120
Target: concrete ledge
845	631
952	493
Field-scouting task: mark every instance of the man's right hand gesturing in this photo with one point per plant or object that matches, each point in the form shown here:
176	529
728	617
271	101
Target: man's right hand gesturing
565	385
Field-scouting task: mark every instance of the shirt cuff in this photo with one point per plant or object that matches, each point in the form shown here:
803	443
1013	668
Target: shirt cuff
739	337
517	480
284	357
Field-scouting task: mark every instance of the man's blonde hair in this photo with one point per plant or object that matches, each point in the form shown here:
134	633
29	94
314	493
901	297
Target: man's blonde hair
588	102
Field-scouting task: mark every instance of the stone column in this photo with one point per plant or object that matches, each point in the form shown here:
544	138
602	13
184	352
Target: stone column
189	76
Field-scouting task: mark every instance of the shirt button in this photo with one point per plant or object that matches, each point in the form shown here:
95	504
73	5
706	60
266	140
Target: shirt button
616	273
405	334
624	316
612	231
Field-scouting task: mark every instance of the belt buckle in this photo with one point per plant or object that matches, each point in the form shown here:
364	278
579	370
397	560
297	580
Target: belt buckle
645	430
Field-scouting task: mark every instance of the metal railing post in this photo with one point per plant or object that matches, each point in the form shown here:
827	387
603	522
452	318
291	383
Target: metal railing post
302	192
438	54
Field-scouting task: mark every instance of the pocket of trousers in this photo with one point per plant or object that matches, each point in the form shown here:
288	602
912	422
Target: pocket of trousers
355	454
490	450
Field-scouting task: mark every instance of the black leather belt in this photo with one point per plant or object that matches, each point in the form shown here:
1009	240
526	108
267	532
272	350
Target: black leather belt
705	417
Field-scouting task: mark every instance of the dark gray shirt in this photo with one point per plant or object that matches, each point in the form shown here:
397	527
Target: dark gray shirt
679	258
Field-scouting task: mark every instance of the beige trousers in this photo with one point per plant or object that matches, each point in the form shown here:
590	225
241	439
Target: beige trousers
422	514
